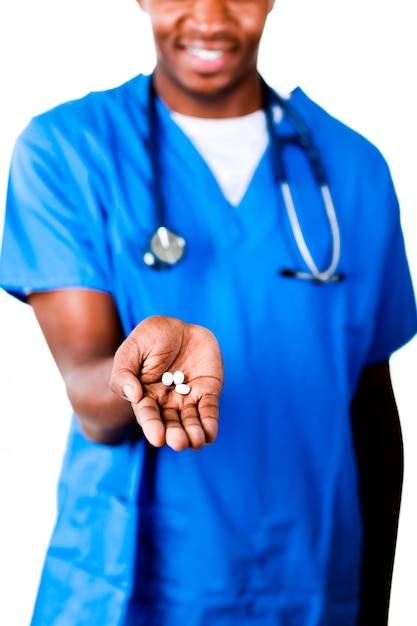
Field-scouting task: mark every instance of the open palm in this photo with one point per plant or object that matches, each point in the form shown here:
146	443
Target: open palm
165	344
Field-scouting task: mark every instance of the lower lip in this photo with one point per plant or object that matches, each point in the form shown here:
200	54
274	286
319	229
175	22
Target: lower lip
207	66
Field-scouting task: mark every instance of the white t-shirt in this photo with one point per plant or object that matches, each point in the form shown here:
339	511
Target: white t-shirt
231	147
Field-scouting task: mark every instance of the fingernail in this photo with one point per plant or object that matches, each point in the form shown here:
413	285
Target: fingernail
129	393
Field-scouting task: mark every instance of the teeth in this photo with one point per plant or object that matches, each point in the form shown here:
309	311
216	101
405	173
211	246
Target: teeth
205	55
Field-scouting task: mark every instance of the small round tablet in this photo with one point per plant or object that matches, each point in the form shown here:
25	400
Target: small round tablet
167	379
182	389
178	377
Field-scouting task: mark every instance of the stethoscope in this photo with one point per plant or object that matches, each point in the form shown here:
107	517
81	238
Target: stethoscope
166	247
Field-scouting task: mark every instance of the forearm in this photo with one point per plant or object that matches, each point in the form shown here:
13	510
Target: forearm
104	417
379	450
83	331
380	499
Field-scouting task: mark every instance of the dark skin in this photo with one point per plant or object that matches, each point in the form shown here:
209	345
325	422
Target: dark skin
207	54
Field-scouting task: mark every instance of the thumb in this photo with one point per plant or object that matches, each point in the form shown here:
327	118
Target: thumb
124	380
126	385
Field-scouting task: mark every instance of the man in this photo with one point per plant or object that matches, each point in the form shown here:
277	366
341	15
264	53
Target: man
290	517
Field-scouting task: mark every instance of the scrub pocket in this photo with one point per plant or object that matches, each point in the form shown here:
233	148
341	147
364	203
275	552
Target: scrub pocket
89	568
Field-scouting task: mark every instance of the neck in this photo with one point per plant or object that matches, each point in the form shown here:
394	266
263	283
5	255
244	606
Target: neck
233	100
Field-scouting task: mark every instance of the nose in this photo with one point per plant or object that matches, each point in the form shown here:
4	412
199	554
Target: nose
211	16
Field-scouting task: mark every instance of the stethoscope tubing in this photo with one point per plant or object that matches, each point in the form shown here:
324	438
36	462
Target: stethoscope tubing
305	141
166	248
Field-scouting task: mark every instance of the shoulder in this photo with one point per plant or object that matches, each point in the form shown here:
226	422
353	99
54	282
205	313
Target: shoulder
335	137
359	179
99	114
358	173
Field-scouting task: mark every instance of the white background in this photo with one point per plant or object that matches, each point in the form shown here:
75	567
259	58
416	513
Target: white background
357	58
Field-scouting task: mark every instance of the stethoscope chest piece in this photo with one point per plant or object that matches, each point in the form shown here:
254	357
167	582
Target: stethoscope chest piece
166	249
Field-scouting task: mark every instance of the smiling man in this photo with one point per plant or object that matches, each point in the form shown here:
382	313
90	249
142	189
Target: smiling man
207	55
177	227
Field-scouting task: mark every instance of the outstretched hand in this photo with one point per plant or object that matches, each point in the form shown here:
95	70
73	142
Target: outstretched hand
165	344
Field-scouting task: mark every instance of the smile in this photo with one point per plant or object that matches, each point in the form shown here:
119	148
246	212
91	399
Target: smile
204	54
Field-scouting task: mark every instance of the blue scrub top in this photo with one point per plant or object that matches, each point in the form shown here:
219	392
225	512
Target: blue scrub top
262	527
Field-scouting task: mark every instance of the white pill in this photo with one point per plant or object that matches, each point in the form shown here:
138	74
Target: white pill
182	389
178	377
167	379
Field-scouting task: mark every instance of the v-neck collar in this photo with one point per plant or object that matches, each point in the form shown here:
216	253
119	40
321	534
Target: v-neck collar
232	222
172	130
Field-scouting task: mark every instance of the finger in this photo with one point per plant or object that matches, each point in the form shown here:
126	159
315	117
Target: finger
192	426
208	409
175	435
149	419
